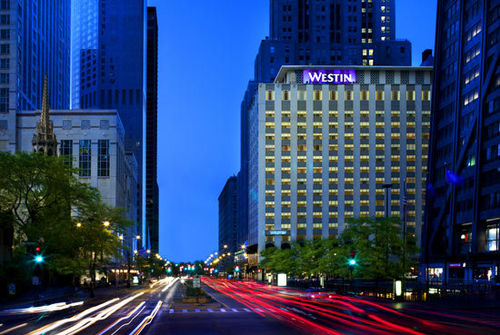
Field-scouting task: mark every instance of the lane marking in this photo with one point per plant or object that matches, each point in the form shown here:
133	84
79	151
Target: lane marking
222	310
235	310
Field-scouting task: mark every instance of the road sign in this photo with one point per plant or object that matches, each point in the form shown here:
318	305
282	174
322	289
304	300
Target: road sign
196	282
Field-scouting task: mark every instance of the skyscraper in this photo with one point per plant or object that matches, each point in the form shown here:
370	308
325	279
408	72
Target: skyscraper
228	221
34	43
321	152
461	237
320	32
151	131
109	37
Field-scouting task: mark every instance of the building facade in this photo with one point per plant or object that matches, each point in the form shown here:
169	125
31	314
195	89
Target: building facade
151	187
331	32
34	43
321	151
228	222
461	239
93	140
111	76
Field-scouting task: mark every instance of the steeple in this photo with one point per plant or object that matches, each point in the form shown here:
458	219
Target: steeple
44	140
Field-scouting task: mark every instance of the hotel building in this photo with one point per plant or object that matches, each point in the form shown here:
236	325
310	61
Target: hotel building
320	154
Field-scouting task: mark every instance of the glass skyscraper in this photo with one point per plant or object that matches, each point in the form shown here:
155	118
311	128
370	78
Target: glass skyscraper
461	236
108	68
34	43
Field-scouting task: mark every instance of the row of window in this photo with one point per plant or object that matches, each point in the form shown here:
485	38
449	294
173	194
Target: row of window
349	95
85	156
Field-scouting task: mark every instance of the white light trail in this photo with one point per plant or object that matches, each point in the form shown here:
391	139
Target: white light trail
43	309
13	328
102	315
76	317
142	304
147	320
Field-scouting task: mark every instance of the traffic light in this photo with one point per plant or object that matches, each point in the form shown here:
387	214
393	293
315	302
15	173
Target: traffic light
38	259
352	260
237	268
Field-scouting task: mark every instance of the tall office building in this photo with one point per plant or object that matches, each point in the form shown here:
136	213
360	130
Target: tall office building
108	68
461	239
152	132
228	222
321	32
324	142
34	43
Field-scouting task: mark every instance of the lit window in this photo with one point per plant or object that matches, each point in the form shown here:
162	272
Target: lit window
492	235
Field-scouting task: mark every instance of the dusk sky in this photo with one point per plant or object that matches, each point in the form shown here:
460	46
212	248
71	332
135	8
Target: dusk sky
206	55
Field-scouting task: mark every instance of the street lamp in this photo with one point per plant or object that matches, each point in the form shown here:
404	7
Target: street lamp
106	223
138	237
78	225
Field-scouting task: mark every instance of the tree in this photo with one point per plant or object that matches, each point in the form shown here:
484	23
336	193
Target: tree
44	201
379	247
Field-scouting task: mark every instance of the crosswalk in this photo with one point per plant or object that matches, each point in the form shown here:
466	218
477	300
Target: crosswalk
210	310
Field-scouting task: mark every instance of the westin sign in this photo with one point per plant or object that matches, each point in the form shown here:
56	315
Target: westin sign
337	76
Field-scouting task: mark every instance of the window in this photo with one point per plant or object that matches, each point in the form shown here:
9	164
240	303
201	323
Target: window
380	95
270	95
85	124
4	63
4	49
104	124
85	158
348	95
395	95
67	151
4	19
5	34
492	238
66	124
285	95
365	95
4	100
410	95
318	95
103	158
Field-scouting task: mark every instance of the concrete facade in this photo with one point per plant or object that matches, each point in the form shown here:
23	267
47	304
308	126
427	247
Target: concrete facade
112	170
320	154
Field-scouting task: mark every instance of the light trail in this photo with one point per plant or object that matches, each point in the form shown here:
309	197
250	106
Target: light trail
353	315
123	319
57	324
147	320
6	331
87	322
42	309
172	282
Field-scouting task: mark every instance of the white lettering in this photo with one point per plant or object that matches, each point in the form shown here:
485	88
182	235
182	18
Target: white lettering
330	78
314	77
323	77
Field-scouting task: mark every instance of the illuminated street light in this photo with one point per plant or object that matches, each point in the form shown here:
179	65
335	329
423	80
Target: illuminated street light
121	237
138	237
106	223
225	246
148	251
78	225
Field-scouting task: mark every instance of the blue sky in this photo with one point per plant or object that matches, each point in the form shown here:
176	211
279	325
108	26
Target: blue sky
206	55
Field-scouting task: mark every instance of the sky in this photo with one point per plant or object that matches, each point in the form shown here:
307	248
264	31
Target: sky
206	56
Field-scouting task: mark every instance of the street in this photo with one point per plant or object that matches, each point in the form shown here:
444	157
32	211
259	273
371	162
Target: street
244	307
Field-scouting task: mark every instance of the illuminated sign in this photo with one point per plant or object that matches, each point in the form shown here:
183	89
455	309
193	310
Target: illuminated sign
278	232
455	265
282	280
332	76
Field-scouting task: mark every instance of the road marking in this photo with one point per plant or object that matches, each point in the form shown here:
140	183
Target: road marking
247	310
222	310
235	310
210	310
197	310
259	310
184	310
171	311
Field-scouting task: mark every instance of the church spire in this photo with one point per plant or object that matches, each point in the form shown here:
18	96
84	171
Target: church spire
44	117
44	140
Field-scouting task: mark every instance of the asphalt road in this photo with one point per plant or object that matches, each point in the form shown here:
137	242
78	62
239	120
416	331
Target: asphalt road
243	307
